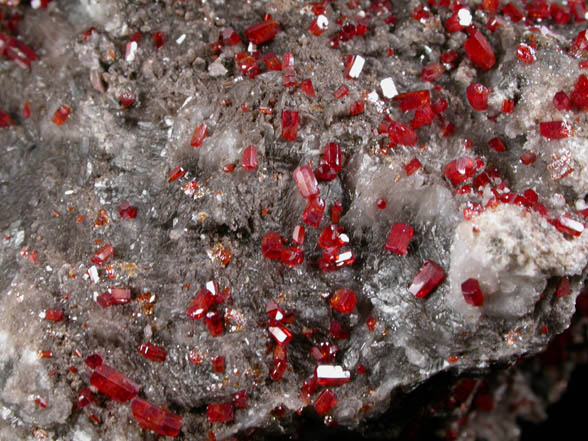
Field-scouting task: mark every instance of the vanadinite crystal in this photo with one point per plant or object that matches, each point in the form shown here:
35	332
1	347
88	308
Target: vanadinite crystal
554	129
200	304
343	300
399	238
198	136
477	96
113	384
262	32
152	352
155	418
331	375
306	182
479	50
249	160
289	125
325	402
313	213
472	293
61	115
427	279
220	412
460	170
126	211
271	246
103	255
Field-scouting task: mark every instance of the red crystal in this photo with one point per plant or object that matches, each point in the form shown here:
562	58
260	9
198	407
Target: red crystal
114	296
413	100
401	134
472	293
240	399
343	301
479	51
306	181
460	170
332	156
336	211
298	234
526	53
490	5
325	352
288	72
158	39
559	14
16	50
113	384
85	397
307	88
497	145
127	99
554	129
332	236
412	166
427	279
153	418
247	64
249	160
175	174
292	256
274	311
371	324
220	413
561	101
337	331
353	65
432	71
325	402
319	25
61	115
289	125
126	211
422	117
272	62
93	361
313	213
578	9
567	225
399	238
579	95
477	96
381	203
563	287
511	11
449	57
262	32
278	370
357	108
331	375
579	45
528	158
214	323
280	333
230	37
152	352
5	120
200	304
271	246
200	133
341	91
507	106
325	172
103	255
218	364
54	315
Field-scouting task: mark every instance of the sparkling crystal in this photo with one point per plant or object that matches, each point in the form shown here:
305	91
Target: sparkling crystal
280	333
554	129
61	115
271	246
113	384
214	323
152	352
262	32
477	96
292	256
249	159
413	100
399	238
220	412
343	301
427	279
198	136
103	255
472	293
460	170
325	402
306	182
313	213
479	51
155	419
200	304
331	375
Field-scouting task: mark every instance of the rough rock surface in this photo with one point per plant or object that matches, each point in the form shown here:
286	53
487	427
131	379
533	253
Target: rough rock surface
61	186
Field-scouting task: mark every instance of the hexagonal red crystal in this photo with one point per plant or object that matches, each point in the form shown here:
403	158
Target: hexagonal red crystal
298	234
102	255
200	304
262	32
412	166
61	115
218	364
497	145
331	375
413	100
401	134
85	397
271	246
54	315
272	62
306	181
152	352
472	293
324	352
292	256
343	301
341	91
220	413
289	125
249	159
240	399
399	238
429	276
460	170
113	383
198	136
156	419
479	50
307	88
278	369
313	213
579	95
214	323
332	236
555	129
280	333
477	96
325	402
114	296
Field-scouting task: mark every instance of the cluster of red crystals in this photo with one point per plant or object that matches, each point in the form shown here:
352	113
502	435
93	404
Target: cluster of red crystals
332	236
219	364
429	276
61	115
200	304
262	32
331	375
271	246
220	413
399	238
289	125
158	39
526	53
152	352
113	384
240	399
497	145
325	402
214	323
330	163
554	129
472	293
335	258
343	301
249	159
198	136
400	134
15	50
460	170
156	419
114	296
102	255
126	211
479	50
313	213
54	315
477	96
176	174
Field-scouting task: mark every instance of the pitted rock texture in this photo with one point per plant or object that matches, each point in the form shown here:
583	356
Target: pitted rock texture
61	186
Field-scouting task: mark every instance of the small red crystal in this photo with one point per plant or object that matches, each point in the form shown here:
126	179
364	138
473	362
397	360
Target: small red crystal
54	315
85	397
262	32
200	304
332	236
413	100
331	375
240	399
247	64
472	293
292	256
113	384
298	234
307	88
569	226
507	106
528	158
561	101
280	333
61	115
319	25
289	125
460	170
230	37
332	156
336	210
93	361
325	352
272	62
497	145
103	255
479	51
343	301
337	331
341	91
156	419
214	323
249	160
198	136
563	287
220	413
412	166
399	238
432	71
114	296
427	279
477	96
288	72
175	174
158	39
277	371
381	203
306	181
218	364
401	134
514	13
526	53
325	402
271	246
127	99
126	211
357	108
152	352
554	129
313	213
